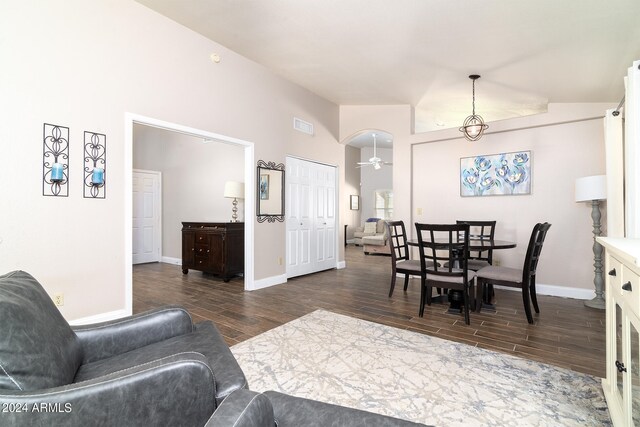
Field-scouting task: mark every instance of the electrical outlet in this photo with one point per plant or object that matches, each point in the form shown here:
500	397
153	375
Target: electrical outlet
419	211
280	261
58	299
496	262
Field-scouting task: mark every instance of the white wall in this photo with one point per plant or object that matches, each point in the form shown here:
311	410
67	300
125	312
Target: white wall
372	180
193	178
84	64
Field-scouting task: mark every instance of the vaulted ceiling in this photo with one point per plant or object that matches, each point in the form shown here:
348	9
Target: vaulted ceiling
420	52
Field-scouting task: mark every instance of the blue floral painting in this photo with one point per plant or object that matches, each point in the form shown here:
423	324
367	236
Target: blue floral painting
496	174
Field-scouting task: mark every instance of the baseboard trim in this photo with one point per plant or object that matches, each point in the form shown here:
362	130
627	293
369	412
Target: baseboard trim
268	282
170	260
103	317
559	291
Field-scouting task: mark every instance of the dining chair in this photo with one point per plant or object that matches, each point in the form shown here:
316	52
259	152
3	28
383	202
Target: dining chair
443	261
524	278
480	230
401	261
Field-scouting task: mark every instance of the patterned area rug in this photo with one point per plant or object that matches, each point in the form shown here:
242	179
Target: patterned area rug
351	362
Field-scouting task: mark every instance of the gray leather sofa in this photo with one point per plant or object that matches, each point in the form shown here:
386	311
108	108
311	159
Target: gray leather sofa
151	369
244	408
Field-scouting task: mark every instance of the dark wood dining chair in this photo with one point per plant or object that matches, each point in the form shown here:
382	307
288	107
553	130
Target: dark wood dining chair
480	230
524	278
443	261
401	261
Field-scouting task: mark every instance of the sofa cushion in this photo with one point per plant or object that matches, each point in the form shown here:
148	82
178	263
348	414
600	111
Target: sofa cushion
38	349
370	227
205	340
377	240
297	411
381	227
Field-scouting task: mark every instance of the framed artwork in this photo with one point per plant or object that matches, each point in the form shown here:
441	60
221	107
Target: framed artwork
355	202
264	187
496	174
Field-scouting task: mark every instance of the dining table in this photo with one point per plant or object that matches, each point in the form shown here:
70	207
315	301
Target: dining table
475	244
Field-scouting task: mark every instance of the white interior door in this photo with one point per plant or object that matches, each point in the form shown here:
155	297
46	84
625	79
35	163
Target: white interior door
310	213
147	227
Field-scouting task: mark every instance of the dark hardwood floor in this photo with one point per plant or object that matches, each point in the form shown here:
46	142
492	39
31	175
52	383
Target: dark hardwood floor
566	333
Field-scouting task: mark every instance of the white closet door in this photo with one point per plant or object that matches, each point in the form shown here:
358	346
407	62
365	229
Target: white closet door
311	223
298	212
325	220
146	217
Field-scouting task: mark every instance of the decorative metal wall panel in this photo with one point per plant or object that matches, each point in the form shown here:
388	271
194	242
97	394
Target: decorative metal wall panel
95	162
55	160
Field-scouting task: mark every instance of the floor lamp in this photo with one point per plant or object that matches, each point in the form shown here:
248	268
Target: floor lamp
594	189
234	190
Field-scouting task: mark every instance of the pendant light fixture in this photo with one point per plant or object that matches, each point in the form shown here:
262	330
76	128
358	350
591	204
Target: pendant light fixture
473	126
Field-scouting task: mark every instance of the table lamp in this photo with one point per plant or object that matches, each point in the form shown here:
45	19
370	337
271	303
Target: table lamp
594	189
234	190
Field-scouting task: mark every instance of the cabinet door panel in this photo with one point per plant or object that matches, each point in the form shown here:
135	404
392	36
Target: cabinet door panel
217	257
619	354
634	373
188	248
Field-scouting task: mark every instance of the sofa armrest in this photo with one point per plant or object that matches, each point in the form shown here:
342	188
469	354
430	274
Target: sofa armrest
174	391
106	339
243	408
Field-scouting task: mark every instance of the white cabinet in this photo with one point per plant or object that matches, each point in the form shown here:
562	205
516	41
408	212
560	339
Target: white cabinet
622	383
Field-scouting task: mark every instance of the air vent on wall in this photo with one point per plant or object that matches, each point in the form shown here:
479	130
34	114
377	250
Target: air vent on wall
302	126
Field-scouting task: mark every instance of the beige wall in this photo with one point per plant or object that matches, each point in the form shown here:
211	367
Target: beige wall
84	65
193	178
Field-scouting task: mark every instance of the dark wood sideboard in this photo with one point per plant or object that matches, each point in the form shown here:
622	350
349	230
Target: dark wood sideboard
213	247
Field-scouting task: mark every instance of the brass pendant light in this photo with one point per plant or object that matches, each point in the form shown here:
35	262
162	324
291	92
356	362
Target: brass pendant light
473	127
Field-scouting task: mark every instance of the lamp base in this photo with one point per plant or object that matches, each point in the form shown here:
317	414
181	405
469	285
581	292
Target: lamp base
234	216
597	303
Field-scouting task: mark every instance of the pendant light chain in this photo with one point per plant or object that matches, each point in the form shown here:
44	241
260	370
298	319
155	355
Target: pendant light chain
473	91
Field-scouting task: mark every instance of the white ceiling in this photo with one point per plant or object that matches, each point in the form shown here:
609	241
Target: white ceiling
420	52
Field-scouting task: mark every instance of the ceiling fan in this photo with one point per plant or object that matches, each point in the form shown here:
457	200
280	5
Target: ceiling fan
374	161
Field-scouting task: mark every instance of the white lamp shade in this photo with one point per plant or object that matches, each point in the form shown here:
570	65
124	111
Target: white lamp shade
591	188
234	190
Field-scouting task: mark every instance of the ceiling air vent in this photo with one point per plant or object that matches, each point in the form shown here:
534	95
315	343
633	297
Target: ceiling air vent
302	126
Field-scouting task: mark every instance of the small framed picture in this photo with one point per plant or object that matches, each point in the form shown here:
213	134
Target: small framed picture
264	187
355	202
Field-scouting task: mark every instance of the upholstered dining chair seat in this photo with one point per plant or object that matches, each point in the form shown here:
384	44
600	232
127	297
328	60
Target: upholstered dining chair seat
409	264
501	273
451	279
